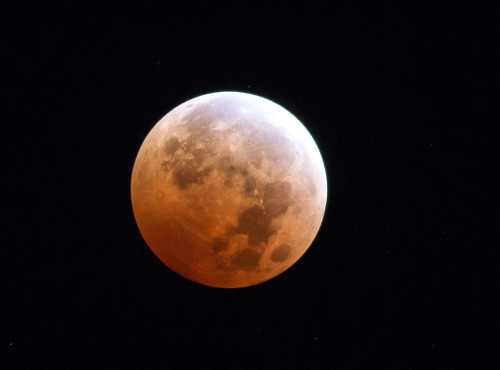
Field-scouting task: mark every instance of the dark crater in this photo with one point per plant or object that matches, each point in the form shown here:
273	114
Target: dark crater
189	174
247	259
255	223
228	169
220	245
281	253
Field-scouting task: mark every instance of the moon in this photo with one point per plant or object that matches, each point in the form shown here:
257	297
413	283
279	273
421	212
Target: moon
229	189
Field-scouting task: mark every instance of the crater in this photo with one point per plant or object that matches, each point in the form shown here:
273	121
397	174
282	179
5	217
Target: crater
255	223
281	253
226	166
220	245
189	174
247	259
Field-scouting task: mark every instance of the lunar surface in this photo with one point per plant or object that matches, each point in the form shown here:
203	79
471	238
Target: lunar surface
229	189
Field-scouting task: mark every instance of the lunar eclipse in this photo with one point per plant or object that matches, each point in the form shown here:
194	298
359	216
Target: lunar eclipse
229	189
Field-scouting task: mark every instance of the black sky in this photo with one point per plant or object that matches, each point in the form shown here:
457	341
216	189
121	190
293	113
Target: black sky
400	100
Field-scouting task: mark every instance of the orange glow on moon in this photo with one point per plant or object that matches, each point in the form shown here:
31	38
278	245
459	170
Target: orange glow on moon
229	189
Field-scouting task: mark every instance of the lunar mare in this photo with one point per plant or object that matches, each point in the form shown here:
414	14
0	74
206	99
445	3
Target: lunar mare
229	189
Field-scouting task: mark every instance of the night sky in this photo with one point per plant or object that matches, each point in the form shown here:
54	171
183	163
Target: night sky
400	101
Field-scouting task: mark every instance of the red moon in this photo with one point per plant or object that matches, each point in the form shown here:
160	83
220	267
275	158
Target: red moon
229	189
